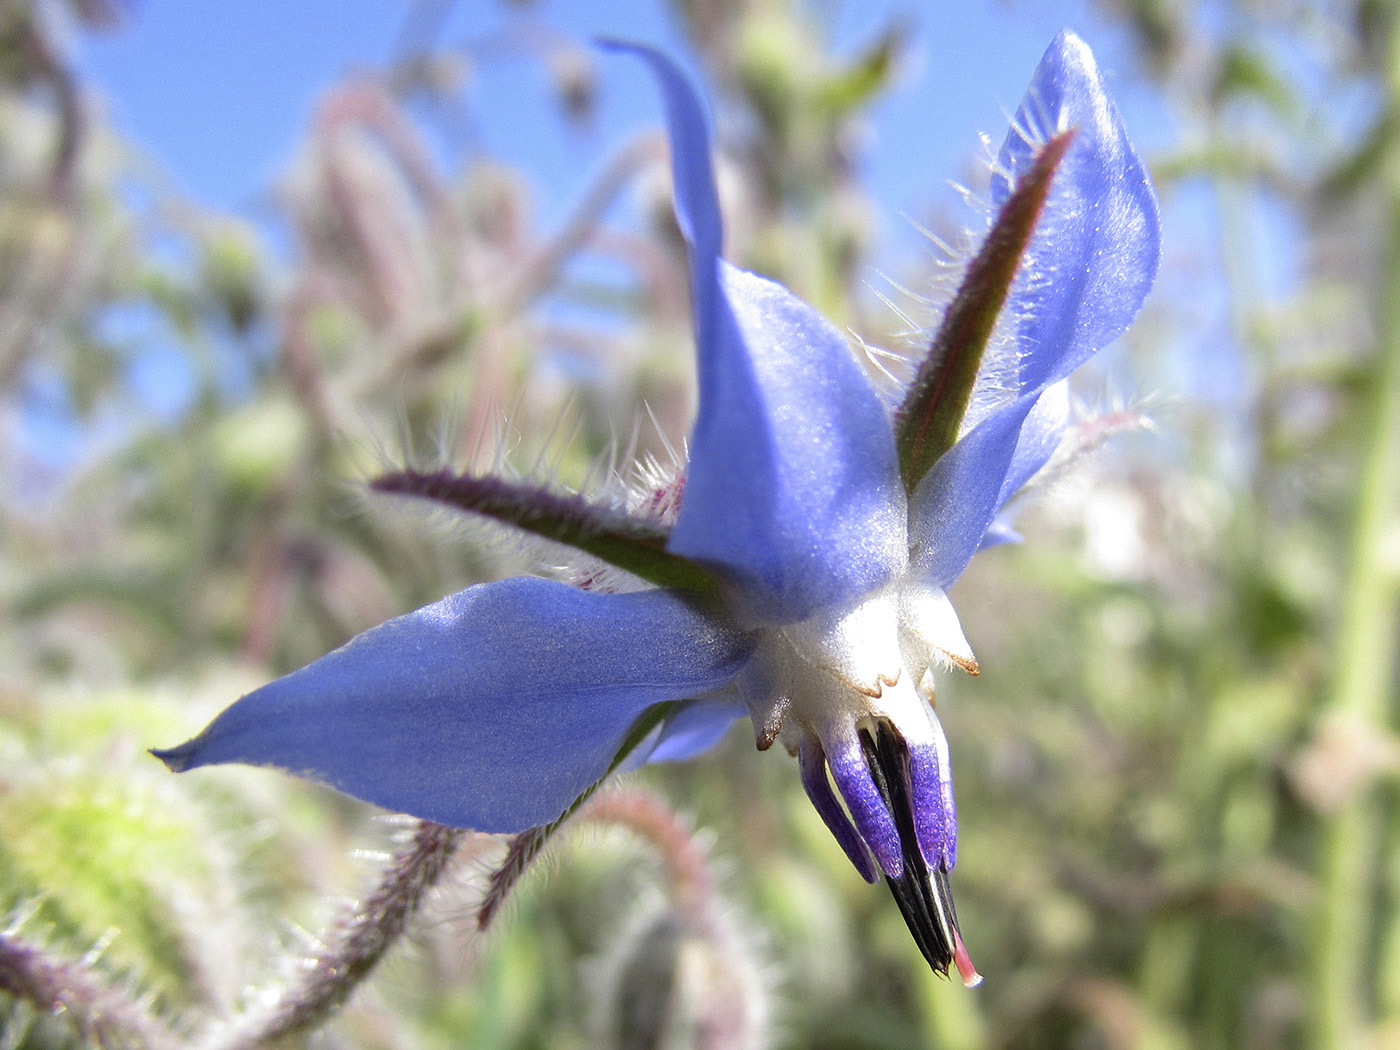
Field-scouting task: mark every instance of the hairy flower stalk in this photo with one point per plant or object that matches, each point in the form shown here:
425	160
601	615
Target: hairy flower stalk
803	578
325	980
102	1014
684	970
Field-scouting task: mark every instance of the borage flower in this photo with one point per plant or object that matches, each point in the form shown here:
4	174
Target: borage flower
804	579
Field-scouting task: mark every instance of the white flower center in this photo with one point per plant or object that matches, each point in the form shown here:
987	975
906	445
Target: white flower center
825	675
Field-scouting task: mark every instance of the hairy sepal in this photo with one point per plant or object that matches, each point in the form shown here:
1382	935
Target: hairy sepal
930	418
638	547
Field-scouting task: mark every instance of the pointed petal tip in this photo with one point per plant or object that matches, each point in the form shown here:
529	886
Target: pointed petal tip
1068	51
1098	250
1068	42
408	715
692	175
176	759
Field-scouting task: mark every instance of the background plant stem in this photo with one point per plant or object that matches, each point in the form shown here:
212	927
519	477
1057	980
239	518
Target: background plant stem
1363	670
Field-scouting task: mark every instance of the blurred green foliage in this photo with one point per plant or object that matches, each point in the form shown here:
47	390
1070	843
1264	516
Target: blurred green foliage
1176	773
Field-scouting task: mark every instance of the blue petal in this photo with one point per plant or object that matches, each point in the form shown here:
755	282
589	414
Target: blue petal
946	513
793	486
812	761
695	728
935	812
867	808
1039	439
793	483
697	204
956	502
1089	265
491	709
1095	253
999	532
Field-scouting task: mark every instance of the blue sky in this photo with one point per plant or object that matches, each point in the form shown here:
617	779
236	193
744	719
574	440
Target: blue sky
218	93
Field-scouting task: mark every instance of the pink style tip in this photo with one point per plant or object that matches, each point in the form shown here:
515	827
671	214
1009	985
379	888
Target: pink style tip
970	977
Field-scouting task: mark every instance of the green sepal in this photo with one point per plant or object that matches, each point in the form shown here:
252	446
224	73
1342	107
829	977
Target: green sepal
928	421
638	547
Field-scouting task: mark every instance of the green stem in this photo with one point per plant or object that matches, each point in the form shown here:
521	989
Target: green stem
1365	652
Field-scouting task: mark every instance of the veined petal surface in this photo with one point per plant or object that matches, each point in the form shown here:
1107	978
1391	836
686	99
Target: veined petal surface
793	484
1095	253
491	709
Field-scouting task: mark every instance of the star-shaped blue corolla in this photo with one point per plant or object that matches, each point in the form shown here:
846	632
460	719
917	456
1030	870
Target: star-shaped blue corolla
804	580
